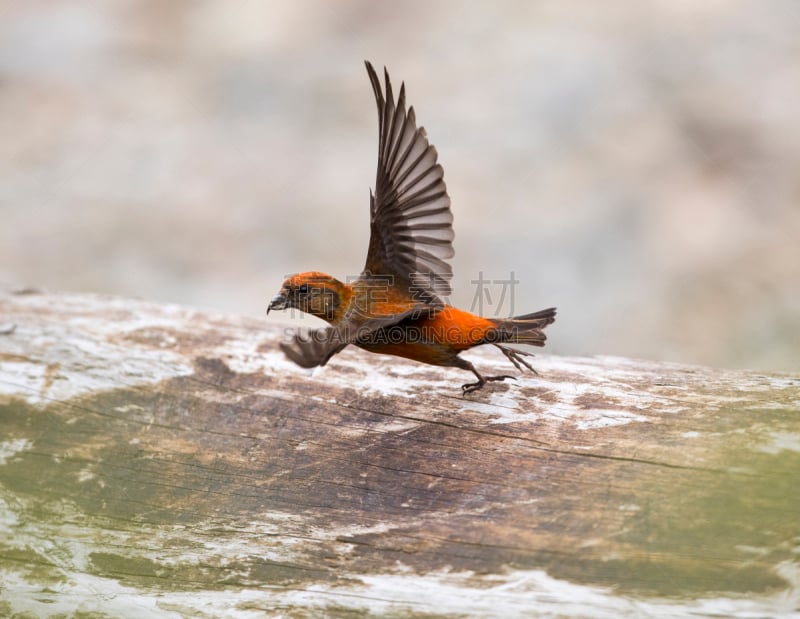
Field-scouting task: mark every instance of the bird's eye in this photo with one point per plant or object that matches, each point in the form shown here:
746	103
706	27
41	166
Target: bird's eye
303	289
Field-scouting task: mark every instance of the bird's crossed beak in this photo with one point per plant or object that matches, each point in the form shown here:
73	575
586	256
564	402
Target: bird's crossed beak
279	302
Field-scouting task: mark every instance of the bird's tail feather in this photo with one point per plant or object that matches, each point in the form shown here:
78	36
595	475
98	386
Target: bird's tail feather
526	329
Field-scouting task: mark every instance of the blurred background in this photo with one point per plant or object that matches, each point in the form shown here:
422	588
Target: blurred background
636	164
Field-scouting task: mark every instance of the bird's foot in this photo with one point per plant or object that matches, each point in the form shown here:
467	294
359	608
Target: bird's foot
516	357
470	387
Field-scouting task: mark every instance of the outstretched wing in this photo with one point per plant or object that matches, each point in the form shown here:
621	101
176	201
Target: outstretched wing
310	349
411	231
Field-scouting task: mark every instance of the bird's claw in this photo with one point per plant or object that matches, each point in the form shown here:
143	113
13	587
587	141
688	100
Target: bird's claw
470	387
516	357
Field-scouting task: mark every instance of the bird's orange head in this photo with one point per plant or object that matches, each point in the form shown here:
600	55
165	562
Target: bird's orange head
314	293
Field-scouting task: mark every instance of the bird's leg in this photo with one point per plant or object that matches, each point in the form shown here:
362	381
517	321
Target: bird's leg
482	380
515	356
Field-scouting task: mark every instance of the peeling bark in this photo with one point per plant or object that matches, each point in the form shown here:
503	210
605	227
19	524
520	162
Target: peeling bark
172	461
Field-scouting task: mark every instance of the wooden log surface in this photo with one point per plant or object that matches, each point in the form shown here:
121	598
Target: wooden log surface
160	461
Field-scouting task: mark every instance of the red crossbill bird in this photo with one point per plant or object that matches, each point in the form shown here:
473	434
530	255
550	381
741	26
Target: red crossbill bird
396	306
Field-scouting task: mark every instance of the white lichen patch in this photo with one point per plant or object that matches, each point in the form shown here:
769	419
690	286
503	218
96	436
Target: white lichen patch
8	519
588	401
604	418
487	408
21	378
9	449
85	474
515	594
370	373
81	348
242	355
780	441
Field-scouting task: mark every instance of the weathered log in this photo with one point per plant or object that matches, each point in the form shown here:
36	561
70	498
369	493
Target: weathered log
159	461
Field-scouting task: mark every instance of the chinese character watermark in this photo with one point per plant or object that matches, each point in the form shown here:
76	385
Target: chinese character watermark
483	294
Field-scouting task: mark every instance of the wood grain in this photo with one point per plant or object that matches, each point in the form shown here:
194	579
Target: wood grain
171	461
